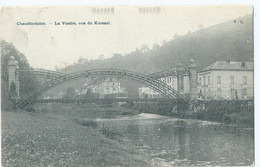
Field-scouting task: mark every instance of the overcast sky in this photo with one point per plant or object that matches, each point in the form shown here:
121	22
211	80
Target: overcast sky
49	45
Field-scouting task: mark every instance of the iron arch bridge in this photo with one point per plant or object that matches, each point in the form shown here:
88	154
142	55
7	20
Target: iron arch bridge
62	78
43	73
169	73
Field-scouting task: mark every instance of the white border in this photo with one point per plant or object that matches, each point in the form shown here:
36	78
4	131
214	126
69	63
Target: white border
255	3
120	2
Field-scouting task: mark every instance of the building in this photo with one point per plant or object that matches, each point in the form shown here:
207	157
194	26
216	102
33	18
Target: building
108	88
146	92
226	80
182	80
182	84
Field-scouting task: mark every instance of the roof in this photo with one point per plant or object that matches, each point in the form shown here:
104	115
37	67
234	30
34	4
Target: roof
230	66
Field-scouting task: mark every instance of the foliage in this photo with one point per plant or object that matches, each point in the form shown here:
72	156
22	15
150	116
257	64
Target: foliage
227	111
28	81
89	123
70	93
110	133
230	112
90	94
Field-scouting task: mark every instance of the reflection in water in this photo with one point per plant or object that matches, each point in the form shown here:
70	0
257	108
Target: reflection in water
187	142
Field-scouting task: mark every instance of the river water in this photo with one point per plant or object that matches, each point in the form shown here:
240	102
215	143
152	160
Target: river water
184	142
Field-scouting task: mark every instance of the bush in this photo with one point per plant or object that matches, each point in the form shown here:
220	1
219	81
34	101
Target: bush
110	133
88	123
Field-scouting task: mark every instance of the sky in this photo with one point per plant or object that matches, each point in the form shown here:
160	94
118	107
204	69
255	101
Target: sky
50	45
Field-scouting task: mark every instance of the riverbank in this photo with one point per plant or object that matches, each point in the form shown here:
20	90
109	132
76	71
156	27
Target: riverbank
64	135
235	112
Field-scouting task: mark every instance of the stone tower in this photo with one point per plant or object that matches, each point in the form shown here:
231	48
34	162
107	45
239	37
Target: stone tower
13	76
193	80
180	72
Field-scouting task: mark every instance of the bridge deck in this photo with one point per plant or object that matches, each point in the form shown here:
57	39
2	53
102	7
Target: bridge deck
84	100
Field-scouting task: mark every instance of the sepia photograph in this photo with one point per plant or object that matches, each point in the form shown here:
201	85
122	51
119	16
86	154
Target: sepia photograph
127	86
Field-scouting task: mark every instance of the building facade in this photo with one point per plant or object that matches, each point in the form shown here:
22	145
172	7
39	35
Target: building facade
109	88
181	79
146	92
226	80
182	86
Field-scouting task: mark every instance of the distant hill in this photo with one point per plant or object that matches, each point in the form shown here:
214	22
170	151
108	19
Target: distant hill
231	40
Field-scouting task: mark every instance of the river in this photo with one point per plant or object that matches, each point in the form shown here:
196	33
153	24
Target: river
184	142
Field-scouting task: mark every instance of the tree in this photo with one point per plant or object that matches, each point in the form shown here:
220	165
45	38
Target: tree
101	57
28	81
144	48
200	27
57	68
175	36
81	60
164	42
70	92
89	93
116	55
156	46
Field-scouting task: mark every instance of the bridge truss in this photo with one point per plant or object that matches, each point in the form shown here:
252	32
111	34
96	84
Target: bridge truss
56	79
169	73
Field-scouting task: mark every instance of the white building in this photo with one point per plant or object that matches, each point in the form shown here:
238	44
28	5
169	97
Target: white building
183	86
226	80
108	88
181	83
146	92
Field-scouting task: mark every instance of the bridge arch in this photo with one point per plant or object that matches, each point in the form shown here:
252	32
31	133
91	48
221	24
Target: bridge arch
154	84
43	73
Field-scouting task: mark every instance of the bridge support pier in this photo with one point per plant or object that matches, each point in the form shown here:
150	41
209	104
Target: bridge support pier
180	78
13	79
193	80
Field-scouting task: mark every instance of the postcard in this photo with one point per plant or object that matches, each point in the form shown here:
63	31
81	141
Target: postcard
168	85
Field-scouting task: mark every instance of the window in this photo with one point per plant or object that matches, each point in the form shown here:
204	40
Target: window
208	80
232	80
162	80
232	91
200	81
182	84
204	80
210	93
219	79
244	80
244	93
219	93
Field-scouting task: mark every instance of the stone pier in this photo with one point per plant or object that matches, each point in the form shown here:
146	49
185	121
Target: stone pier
13	78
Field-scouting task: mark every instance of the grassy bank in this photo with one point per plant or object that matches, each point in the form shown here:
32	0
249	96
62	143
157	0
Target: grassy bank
64	135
